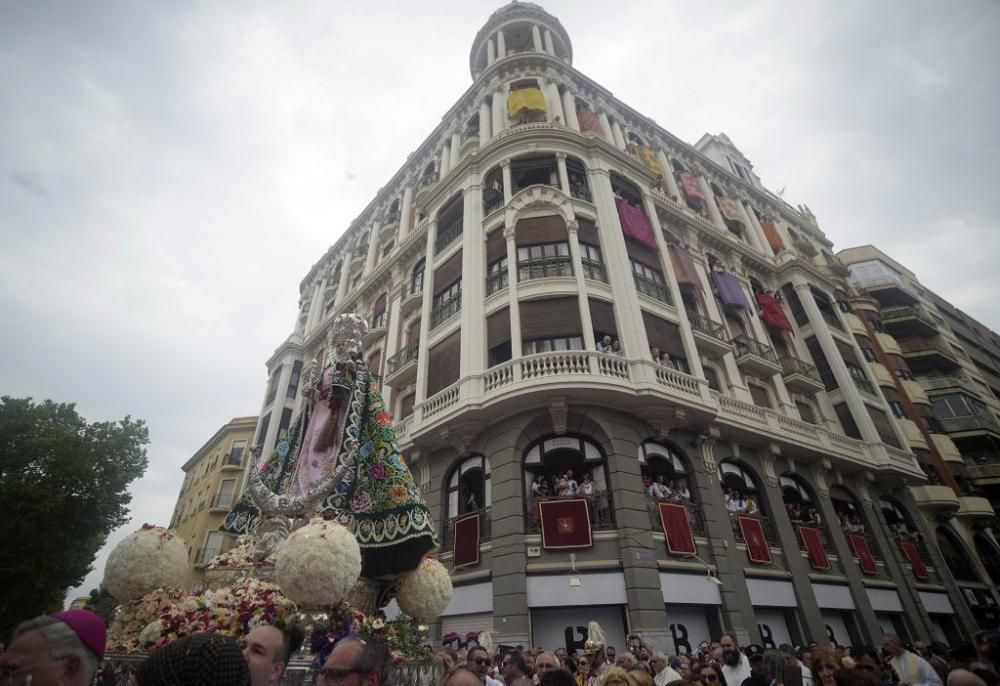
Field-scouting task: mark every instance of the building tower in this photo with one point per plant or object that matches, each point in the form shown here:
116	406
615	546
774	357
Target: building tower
561	290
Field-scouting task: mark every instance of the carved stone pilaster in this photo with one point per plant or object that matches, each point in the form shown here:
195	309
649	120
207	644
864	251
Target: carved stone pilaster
559	413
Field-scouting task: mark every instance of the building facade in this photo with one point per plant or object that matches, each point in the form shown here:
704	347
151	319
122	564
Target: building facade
212	482
556	284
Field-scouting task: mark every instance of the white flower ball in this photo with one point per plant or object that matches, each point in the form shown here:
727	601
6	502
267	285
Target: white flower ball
318	564
150	558
425	592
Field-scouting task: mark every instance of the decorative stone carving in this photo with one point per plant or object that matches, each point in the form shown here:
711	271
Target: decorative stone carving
559	413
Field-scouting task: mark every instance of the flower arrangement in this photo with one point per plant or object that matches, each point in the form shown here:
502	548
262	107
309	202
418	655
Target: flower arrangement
425	592
166	614
150	558
240	555
318	564
406	639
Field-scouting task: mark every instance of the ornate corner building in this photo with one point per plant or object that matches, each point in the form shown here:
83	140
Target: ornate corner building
637	386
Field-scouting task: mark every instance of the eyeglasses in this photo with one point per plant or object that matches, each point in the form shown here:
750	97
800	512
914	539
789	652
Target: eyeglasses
332	674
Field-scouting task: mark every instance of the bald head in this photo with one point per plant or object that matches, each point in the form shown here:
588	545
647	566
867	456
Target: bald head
963	677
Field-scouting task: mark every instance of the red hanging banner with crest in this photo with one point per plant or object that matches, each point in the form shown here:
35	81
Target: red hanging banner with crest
753	534
466	541
565	523
865	558
813	538
677	529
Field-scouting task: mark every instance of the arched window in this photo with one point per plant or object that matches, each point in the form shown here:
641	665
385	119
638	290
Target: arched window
713	378
567	466
897	518
990	556
798	501
493	196
954	555
850	516
664	472
417	277
468	487
740	489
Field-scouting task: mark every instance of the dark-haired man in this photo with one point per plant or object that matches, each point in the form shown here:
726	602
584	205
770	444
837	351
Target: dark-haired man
478	660
268	649
735	666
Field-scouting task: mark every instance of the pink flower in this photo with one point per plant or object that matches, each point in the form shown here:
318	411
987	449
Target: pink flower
361	502
378	471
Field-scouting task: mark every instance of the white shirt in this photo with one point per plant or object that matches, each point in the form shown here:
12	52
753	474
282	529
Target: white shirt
658	490
734	505
572	487
490	681
807	675
735	676
666	675
923	675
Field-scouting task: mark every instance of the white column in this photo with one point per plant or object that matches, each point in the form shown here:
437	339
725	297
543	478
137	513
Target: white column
631	330
750	229
473	355
606	127
456	149
563	175
713	209
499	112
345	275
405	218
278	405
372	249
549	46
583	301
569	109
444	166
501	45
515	309
536	38
619	137
757	228
425	321
394	329
315	305
554	102
508	184
491	52
485	123
668	170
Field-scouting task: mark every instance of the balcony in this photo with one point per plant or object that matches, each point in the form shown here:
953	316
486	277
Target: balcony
934	498
890	291
401	368
909	321
544	268
950	384
594	270
863	384
755	357
206	555
376	329
232	463
580	192
427	181
971	424
799	376
710	337
496	282
947	448
975	507
915	391
485	529
445	310
980	473
601	514
914	437
492	204
925	356
769	533
412	296
653	289
448	235
694	517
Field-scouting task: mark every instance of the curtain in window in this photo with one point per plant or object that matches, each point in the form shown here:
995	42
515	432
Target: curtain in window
530	99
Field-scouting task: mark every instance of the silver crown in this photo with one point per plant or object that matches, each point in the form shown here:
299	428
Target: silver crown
344	339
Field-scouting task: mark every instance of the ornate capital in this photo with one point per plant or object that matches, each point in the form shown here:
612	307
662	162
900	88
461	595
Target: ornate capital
572	226
559	413
505	163
560	156
508	233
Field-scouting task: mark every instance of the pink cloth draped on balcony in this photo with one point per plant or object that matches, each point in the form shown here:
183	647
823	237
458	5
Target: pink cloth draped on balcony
772	314
728	208
691	188
730	291
684	269
590	122
635	224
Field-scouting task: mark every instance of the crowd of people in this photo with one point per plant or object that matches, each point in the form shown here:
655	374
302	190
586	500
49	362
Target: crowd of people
66	649
563	485
738	503
803	513
673	490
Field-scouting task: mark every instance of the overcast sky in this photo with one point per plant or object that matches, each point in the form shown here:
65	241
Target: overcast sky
170	171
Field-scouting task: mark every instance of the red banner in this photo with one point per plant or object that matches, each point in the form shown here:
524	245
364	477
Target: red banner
691	187
917	562
565	523
772	313
865	558
813	538
635	224
677	529
466	541
753	534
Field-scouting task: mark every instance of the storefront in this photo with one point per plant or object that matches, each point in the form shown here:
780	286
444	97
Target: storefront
774	604
888	611
837	606
562	605
692	604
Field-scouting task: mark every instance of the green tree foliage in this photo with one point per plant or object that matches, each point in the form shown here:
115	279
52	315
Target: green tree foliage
102	603
63	489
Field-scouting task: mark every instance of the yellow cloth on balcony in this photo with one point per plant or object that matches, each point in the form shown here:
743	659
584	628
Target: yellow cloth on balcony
525	99
648	157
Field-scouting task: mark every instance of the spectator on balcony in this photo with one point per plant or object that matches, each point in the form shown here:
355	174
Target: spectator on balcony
604	345
735	504
750	506
681	491
539	488
811	516
616	348
587	485
658	490
656	355
857	527
471	504
794	511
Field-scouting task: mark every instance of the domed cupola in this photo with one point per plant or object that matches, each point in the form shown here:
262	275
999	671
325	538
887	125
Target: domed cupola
518	28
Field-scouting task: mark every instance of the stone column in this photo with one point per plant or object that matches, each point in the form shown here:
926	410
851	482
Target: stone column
536	38
456	149
669	179
757	228
617	135
508	560
812	618
425	321
345	275
549	46
554	102
372	249
406	212
606	128
315	306
750	229
563	174
394	329
631	330
499	112
278	404
569	109
485	124
850	393
515	309
491	52
508	190
586	323
444	166
667	267
713	208
501	45
473	359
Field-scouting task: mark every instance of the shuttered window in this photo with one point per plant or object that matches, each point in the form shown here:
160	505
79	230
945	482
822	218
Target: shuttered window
760	396
550	318
448	273
847	420
550	229
496	246
587	232
881	421
602	316
498	328
443	363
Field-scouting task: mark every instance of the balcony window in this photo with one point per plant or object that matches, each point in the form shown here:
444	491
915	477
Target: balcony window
543	261
548	345
578	186
496	276
897	409
224	498
568	466
293	380
469	489
493	196
592	262
649	281
447	303
417	278
235	456
534	171
448	235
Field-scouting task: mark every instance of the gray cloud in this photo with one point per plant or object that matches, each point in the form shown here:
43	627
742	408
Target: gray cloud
175	168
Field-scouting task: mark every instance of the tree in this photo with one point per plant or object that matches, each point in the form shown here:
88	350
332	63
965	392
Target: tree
63	489
102	603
